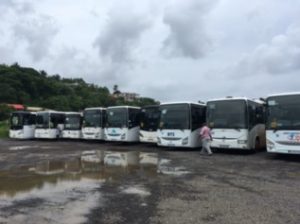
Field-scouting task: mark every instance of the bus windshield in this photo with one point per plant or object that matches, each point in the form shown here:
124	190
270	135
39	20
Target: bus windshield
174	116
92	118
42	120
149	118
72	122
283	112
227	114
117	117
16	121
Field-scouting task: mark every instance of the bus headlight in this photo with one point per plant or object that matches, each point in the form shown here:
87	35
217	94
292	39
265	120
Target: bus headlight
141	135
270	145
185	141
242	141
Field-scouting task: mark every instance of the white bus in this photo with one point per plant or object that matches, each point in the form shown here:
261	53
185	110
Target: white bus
149	119
72	125
49	124
283	123
237	123
94	120
22	125
122	124
180	124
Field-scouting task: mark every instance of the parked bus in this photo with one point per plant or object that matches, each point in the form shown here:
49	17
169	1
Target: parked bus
49	124
283	123
180	124
149	119
122	124
72	125
237	123
22	125
94	120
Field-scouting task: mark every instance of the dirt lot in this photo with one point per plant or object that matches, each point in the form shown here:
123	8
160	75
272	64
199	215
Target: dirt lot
94	182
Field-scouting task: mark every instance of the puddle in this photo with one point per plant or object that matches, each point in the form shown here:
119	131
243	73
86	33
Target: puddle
66	202
24	147
57	191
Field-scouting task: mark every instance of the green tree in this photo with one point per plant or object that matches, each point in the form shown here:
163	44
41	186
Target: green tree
4	112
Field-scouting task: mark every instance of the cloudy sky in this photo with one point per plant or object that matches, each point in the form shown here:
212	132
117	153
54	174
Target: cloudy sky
169	50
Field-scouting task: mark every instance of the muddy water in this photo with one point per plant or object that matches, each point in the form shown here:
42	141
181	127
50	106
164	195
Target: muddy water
65	191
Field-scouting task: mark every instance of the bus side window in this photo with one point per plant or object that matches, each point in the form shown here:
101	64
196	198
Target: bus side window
53	121
62	118
32	119
104	118
26	119
198	116
260	115
133	117
252	115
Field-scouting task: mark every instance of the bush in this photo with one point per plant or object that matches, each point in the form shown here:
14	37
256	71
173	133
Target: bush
4	129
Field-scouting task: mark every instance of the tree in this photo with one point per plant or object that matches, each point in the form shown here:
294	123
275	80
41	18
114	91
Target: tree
4	112
116	89
7	94
22	85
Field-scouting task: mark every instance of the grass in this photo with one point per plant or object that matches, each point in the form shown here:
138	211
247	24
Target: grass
4	129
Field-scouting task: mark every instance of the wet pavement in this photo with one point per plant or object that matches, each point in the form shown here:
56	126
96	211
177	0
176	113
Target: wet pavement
96	182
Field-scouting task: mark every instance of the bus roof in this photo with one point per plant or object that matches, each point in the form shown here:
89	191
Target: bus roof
124	107
23	112
284	94
50	111
150	106
95	108
182	102
73	113
236	98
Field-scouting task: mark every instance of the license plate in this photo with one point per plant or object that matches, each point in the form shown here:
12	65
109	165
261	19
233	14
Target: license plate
224	146
171	144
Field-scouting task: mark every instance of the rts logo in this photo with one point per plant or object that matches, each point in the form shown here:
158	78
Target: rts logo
293	136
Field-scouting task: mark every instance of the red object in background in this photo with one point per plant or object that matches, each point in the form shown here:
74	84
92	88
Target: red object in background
16	106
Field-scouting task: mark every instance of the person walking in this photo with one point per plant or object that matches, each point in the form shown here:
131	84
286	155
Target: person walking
206	138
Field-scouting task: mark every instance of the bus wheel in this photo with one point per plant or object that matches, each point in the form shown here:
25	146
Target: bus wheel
257	145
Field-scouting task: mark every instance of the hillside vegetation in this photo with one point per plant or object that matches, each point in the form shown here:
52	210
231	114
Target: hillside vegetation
36	88
4	129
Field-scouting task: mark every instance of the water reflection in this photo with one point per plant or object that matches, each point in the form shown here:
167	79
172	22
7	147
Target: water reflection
94	164
66	184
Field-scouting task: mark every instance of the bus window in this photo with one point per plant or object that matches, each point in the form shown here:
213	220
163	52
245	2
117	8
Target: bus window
104	118
198	116
133	118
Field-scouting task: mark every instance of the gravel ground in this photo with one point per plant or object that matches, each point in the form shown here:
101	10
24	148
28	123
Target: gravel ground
97	182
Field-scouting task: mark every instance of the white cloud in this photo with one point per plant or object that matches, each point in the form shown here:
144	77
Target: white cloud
121	36
242	49
37	32
188	36
281	56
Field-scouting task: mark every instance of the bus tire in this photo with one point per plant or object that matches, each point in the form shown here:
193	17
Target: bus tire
256	145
